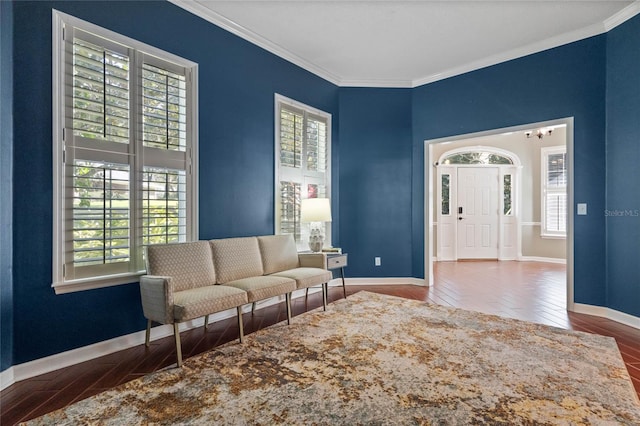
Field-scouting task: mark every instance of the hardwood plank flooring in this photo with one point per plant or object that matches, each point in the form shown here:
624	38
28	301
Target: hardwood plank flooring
528	291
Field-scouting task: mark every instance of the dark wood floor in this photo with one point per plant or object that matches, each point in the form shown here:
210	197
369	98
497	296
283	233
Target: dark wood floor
523	290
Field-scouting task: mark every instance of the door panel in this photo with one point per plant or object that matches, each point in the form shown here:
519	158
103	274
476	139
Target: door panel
478	221
447	232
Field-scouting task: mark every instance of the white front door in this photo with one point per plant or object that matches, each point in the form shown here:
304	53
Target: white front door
477	213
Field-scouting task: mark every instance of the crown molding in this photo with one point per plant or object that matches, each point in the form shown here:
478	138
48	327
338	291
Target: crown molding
195	7
596	29
519	52
404	84
621	17
198	9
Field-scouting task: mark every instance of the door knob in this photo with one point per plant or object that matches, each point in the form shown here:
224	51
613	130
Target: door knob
461	218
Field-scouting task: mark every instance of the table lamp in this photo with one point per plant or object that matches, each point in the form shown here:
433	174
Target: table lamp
315	211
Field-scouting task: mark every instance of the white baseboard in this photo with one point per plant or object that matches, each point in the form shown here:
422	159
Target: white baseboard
386	281
6	378
612	314
50	363
520	258
336	282
543	259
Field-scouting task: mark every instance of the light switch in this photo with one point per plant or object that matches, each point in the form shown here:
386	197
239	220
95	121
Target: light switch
582	209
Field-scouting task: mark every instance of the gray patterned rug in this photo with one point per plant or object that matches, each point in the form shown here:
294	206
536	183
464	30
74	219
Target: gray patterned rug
374	359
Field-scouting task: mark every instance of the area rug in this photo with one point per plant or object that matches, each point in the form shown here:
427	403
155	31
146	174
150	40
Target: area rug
375	359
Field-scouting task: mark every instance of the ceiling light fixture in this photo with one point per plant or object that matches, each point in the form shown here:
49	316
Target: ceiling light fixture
540	133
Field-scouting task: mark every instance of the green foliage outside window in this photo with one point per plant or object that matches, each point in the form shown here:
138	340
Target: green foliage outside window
100	213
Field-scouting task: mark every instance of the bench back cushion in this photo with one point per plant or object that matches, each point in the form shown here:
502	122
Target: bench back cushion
278	252
188	264
236	258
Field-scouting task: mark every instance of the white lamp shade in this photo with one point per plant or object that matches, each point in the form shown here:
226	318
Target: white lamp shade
315	210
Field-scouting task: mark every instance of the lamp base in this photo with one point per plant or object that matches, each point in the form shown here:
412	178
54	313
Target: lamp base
316	246
316	240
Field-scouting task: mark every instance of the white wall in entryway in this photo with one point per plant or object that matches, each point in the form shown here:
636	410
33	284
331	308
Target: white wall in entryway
429	176
528	150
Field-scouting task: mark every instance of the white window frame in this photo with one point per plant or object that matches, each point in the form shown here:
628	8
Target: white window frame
545	190
281	173
135	149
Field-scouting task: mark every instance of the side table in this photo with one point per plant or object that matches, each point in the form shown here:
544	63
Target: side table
338	261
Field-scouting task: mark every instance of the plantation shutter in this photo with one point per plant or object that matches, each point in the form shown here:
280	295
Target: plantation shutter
164	101
290	184
291	127
302	152
556	212
316	146
166	153
100	89
290	208
97	140
100	183
555	192
125	153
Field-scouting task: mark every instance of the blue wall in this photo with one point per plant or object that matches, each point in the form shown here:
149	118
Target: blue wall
568	81
623	167
377	158
6	185
236	106
375	180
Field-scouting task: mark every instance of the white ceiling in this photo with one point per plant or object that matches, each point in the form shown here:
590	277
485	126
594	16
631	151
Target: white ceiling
408	43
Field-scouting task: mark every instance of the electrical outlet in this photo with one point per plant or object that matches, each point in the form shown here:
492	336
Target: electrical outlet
377	261
582	209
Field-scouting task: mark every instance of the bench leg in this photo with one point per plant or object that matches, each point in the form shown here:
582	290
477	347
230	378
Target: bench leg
206	321
147	336
288	301
253	307
325	289
240	327
176	332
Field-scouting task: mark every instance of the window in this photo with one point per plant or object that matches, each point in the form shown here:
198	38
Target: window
303	166
554	192
507	207
445	193
477	157
125	154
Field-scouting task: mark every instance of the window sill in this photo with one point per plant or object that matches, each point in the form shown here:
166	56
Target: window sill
553	237
71	286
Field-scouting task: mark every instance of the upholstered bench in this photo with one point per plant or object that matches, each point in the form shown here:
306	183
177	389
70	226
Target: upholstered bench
190	280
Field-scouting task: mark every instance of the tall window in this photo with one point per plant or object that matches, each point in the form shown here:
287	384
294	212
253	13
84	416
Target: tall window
303	169
124	154
554	191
